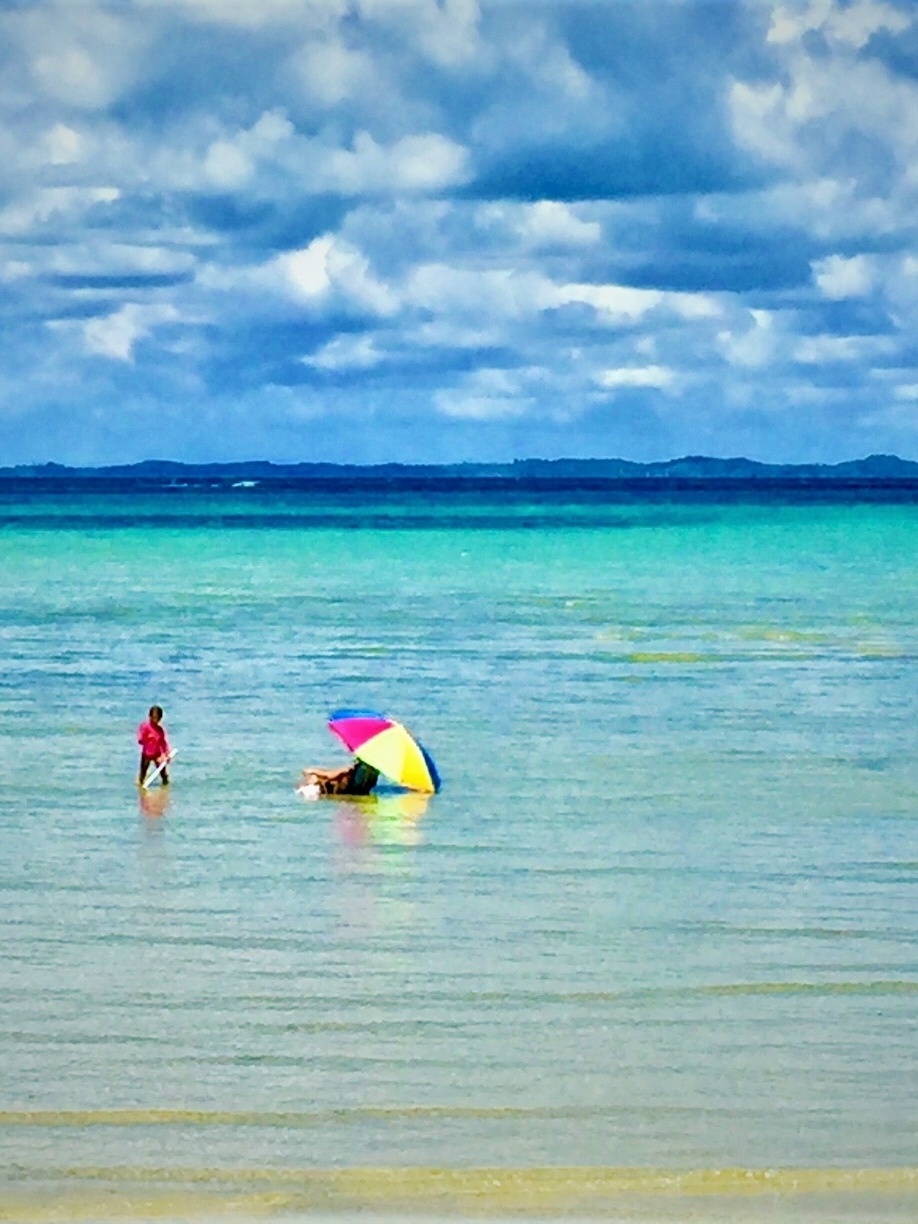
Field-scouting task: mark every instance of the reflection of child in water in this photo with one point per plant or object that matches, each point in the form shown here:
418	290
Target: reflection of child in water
154	747
356	779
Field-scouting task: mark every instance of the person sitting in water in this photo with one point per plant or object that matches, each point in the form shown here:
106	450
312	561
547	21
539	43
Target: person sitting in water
356	779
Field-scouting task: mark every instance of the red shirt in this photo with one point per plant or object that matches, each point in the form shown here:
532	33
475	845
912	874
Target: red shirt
152	739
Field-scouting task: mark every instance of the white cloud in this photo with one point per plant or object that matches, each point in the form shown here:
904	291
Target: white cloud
467	406
819	209
14	270
549	63
115	335
809	121
346	353
328	265
544	225
625	303
272	160
329	71
852	25
753	342
254	14
306	271
450	332
838	277
478	293
270	129
323	183
226	165
789	25
64	145
425	162
99	258
443	31
231	162
760	120
694	305
71	75
78	55
615	301
511	295
819	350
551	222
486	395
636	376
63	205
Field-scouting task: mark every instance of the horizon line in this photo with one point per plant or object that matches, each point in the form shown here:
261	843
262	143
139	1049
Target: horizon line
878	466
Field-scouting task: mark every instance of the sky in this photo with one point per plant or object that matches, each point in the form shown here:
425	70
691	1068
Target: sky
437	231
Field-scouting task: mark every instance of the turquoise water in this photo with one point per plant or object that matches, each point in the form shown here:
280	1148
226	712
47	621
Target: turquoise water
662	914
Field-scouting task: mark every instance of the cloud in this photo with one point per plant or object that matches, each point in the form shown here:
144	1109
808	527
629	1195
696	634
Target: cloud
252	14
329	71
546	225
347	353
114	336
48	207
486	395
824	350
482	226
636	376
423	162
838	277
80	56
846	116
850	25
753	343
446	33
64	145
328	265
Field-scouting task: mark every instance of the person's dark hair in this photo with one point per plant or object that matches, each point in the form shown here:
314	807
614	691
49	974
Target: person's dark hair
156	710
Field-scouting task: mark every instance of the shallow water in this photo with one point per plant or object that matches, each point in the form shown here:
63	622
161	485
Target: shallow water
662	914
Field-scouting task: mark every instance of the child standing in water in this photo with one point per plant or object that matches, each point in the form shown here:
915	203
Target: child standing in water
154	746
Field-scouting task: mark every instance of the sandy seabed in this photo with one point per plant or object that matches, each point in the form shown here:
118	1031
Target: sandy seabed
437	1196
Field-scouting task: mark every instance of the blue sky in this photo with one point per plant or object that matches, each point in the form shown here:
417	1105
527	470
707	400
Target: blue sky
448	230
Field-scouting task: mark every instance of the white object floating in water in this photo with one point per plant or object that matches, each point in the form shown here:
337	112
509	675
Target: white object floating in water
309	790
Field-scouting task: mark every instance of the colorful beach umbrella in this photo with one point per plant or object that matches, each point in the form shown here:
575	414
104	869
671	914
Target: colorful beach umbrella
387	746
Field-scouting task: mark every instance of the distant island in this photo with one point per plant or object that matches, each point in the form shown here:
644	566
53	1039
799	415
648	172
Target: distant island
873	469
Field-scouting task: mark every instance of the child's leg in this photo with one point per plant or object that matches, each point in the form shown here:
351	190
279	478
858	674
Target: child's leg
145	763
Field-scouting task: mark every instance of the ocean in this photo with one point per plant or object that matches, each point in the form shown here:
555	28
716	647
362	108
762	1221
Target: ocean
652	951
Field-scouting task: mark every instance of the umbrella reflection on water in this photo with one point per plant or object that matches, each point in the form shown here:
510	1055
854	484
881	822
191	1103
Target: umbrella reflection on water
381	819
